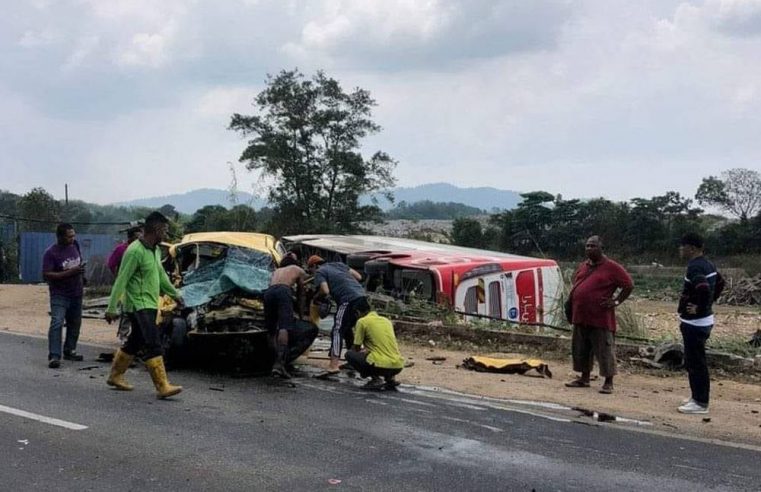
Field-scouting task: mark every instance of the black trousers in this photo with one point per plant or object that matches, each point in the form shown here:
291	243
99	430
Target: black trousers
301	335
343	326
358	361
144	335
278	309
695	338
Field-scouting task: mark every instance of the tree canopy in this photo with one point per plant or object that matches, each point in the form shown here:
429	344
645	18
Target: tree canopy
738	191
305	139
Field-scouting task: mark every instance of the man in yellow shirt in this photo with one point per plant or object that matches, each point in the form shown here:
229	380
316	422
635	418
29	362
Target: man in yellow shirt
375	353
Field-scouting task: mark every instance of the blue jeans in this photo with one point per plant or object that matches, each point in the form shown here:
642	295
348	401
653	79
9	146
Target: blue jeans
62	309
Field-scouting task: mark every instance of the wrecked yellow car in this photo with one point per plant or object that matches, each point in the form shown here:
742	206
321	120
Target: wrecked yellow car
222	277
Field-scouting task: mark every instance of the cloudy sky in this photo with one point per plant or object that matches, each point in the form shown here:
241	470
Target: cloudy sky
131	98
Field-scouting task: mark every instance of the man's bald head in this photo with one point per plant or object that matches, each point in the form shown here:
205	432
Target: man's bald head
593	248
595	239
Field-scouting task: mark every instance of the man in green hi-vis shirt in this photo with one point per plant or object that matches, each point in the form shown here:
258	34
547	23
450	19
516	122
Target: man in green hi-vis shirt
139	283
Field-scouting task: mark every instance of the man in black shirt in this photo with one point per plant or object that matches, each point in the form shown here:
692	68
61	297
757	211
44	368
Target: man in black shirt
696	316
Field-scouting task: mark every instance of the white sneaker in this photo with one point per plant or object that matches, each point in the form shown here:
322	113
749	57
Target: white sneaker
692	408
687	400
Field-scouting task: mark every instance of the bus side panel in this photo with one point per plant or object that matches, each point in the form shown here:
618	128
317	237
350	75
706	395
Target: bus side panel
553	295
511	303
540	295
525	285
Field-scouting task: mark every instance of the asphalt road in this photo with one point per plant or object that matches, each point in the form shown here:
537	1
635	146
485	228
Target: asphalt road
224	433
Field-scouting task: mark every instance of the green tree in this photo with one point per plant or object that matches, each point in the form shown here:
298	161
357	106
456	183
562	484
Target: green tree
306	139
169	212
39	205
738	191
467	232
208	218
242	218
523	229
79	211
9	203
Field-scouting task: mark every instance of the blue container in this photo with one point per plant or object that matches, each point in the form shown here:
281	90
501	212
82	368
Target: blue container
95	250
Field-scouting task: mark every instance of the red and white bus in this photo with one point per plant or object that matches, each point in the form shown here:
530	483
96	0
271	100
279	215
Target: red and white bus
478	282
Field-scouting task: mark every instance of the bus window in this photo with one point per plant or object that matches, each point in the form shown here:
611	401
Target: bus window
471	300
418	283
495	300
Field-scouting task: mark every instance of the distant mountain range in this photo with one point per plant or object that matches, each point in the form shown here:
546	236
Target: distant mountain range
191	201
485	198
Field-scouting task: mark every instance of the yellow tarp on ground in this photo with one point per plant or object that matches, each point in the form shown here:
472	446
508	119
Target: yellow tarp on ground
506	366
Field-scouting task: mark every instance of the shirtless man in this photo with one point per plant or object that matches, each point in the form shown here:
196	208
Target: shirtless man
278	309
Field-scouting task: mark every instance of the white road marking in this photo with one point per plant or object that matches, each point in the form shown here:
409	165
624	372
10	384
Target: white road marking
42	418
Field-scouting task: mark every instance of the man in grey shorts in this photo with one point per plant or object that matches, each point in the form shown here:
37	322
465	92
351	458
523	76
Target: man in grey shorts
599	286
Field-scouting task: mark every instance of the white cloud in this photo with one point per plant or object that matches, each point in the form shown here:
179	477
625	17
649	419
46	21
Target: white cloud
417	34
738	18
34	39
147	49
222	102
84	48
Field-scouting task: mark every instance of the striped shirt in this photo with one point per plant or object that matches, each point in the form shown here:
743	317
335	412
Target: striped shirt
698	289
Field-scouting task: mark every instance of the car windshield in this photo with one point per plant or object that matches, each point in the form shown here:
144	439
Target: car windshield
239	268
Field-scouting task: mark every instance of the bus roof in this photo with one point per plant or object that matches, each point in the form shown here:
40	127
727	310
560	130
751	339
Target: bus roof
391	245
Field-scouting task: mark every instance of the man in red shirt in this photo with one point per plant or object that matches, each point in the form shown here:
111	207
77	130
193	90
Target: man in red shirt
114	262
115	258
594	314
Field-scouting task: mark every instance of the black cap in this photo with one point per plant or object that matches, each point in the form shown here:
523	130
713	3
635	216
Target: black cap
692	239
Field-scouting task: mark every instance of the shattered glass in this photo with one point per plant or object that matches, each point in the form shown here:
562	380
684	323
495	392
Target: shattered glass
245	269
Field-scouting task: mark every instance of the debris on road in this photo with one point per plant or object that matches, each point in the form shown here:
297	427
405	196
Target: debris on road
506	366
664	356
105	357
609	417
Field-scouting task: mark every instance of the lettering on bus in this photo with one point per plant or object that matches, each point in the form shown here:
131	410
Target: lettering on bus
525	284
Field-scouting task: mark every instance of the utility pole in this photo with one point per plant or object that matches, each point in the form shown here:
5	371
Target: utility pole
66	193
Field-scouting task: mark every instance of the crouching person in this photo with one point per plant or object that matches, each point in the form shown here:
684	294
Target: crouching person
301	335
140	281
375	353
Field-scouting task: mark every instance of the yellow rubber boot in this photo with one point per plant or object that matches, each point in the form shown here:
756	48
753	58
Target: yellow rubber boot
158	374
119	366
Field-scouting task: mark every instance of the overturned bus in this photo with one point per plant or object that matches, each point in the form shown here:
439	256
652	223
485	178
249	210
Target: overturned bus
222	277
474	282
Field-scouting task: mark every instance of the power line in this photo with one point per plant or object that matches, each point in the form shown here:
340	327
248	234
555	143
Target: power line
44	221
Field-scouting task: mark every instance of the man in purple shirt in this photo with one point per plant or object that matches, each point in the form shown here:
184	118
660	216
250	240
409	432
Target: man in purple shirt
114	262
63	268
